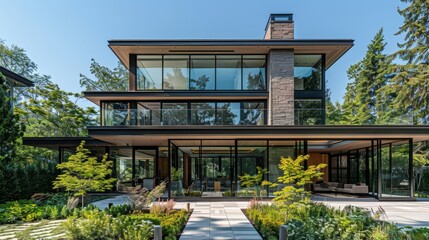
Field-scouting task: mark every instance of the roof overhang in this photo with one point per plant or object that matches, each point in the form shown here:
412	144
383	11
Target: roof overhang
97	96
16	79
332	48
159	135
66	142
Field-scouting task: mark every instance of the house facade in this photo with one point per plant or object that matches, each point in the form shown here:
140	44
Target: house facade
14	80
204	112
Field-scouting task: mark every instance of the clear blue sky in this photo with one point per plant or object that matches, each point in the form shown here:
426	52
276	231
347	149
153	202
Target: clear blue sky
63	36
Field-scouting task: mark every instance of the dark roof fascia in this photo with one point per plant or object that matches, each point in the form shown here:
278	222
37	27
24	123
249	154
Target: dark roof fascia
55	142
175	93
263	130
230	42
20	79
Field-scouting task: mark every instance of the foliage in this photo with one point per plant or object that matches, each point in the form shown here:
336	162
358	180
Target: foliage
171	223
295	176
96	224
162	207
141	199
20	180
175	174
318	221
82	173
106	79
256	181
10	127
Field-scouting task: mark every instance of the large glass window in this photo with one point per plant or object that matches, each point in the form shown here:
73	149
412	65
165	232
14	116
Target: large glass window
174	114
254	72
149	72
116	114
308	112
308	72
228	72
148	113
203	113
228	113
176	72
202	72
253	113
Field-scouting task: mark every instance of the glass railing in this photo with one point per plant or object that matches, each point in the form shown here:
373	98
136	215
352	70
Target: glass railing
314	116
166	117
231	116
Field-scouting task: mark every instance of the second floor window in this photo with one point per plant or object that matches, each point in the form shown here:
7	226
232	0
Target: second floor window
201	72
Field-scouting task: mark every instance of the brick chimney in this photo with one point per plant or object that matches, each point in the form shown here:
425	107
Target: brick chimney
279	26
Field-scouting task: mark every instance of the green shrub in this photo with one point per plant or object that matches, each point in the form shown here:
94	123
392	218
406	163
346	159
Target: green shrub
96	224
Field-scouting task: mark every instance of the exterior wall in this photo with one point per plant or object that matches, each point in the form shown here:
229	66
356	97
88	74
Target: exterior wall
280	30
281	87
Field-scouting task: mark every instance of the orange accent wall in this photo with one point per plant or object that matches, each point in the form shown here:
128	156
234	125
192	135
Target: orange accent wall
316	158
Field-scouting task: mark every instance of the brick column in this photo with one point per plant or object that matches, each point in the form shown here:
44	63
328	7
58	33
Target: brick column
281	87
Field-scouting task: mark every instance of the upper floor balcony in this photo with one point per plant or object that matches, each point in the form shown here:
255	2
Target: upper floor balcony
183	113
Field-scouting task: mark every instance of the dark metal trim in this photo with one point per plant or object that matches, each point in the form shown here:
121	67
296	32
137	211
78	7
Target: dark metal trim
22	81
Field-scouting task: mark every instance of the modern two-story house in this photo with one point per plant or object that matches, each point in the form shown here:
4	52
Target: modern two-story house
204	112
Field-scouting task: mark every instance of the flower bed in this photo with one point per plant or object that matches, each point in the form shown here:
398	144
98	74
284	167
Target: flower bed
317	221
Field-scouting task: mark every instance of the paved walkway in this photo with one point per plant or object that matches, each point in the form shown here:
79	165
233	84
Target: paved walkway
403	213
219	220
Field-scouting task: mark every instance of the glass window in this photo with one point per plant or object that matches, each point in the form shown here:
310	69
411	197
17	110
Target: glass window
116	114
308	72
174	114
228	113
253	113
308	112
176	72
203	113
202	72
124	164
228	72
149	72
254	72
148	113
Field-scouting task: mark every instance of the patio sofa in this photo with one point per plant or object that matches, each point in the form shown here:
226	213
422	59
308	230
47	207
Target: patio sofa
360	188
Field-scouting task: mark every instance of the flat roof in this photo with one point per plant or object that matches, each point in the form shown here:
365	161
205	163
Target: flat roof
332	48
159	135
15	78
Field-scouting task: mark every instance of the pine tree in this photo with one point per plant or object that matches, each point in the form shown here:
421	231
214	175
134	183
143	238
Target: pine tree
363	103
410	86
10	128
333	111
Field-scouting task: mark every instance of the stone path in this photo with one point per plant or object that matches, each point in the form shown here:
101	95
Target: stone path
38	230
116	200
219	220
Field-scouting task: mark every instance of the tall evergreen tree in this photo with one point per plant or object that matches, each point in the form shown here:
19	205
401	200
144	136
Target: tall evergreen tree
333	110
410	84
10	128
363	103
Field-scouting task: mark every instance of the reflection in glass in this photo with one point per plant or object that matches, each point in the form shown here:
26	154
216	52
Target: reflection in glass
278	149
116	114
174	114
148	113
124	165
308	72
202	72
308	112
176	72
203	113
254	72
149	72
228	72
253	113
228	113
